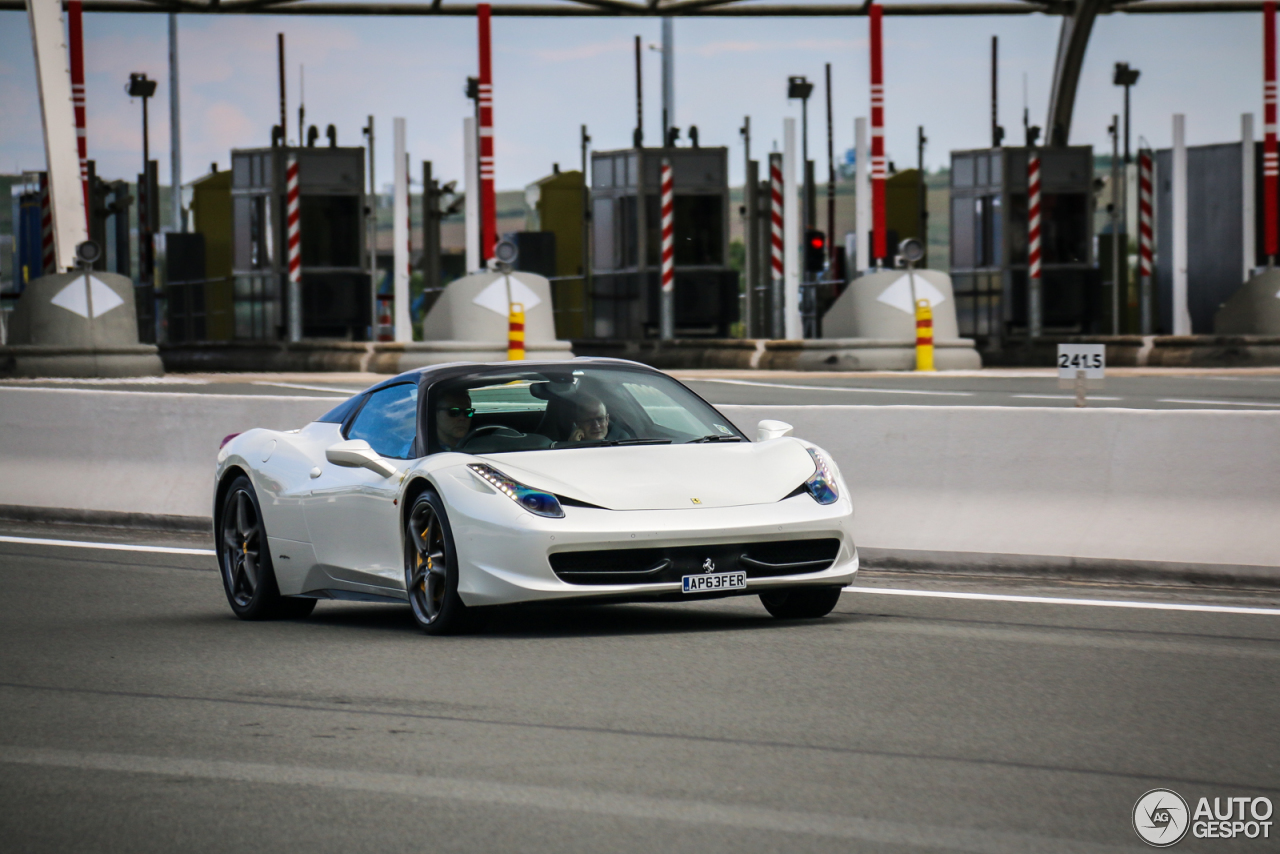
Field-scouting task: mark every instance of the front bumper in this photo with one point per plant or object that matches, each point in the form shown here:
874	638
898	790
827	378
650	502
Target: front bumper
504	551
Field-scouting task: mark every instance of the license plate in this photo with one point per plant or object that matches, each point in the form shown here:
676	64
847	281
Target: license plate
711	582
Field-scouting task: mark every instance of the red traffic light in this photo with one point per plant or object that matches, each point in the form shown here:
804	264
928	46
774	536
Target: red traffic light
817	242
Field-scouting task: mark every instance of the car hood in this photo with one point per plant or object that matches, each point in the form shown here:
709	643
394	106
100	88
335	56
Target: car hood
665	477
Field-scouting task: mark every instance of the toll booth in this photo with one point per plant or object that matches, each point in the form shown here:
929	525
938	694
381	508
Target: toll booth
989	242
626	238
336	298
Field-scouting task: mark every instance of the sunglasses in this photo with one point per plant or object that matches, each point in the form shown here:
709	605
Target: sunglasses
456	411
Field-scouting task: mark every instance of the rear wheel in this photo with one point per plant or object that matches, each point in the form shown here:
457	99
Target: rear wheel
801	603
244	557
431	568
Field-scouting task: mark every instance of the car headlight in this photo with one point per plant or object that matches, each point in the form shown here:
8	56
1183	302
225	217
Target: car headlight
822	483
534	500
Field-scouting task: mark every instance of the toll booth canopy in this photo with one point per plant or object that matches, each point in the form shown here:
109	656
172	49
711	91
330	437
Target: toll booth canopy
626	251
989	241
336	298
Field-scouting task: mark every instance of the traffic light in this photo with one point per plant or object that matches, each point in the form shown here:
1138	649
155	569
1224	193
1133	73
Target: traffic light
815	250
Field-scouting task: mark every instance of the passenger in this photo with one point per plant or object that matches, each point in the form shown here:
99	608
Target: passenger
453	418
591	420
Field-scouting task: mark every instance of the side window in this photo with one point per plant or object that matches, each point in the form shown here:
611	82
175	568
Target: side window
389	421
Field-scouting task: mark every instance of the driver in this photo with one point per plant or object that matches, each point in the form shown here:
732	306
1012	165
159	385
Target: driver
453	418
590	420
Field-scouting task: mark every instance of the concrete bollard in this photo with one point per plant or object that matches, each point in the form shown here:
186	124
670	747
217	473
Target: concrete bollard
515	333
924	336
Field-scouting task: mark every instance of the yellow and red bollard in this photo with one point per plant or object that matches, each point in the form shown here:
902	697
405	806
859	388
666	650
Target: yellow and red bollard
924	336
515	333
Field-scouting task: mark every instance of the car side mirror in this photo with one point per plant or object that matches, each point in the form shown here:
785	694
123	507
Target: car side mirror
356	453
767	430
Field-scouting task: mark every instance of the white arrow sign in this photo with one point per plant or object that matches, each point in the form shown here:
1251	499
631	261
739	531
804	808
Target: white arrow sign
76	298
898	294
494	297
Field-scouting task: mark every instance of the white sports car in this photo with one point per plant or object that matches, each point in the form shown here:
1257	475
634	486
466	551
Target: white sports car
461	486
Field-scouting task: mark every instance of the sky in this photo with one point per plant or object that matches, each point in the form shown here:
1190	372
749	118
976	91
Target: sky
553	75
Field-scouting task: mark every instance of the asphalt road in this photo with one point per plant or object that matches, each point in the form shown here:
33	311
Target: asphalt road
139	715
1232	390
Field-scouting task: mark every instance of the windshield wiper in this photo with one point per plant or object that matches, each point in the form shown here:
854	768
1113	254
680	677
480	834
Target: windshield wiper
714	437
609	443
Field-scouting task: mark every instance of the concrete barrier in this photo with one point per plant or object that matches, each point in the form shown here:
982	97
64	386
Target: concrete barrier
972	486
128	452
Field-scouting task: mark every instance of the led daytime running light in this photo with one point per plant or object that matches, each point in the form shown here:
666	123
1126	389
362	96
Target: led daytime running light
822	483
536	501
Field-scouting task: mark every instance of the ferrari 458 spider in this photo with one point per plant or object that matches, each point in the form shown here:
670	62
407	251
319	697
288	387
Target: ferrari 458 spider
462	486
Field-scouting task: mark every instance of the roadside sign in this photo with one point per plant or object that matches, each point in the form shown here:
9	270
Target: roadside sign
1090	358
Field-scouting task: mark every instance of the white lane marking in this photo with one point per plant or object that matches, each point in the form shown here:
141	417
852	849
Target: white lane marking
837	388
176	380
196	394
115	547
560	799
1062	397
346	391
1054	600
1216	402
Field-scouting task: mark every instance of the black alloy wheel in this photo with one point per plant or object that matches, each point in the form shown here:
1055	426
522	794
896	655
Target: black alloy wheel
431	568
244	556
801	603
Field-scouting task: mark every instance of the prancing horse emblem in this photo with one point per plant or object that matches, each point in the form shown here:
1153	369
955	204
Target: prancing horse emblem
708	565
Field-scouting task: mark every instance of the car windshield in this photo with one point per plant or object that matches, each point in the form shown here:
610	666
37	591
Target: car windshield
498	410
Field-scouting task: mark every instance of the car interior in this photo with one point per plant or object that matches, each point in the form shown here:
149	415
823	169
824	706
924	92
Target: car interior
528	411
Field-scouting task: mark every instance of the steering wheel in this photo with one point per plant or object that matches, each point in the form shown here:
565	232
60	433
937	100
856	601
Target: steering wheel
484	431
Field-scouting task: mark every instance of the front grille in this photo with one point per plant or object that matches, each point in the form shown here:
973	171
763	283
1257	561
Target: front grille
666	565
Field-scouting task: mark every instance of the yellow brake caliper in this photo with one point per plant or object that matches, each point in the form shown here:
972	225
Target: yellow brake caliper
423	583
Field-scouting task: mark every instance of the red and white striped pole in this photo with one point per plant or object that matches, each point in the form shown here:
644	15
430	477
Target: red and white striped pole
775	214
488	197
294	235
879	171
1270	156
1146	238
1035	302
48	263
75	28
668	307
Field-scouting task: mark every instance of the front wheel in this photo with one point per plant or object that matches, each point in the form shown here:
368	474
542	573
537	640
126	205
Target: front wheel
431	568
801	603
244	556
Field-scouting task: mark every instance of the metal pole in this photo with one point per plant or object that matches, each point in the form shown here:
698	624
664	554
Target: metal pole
806	190
639	134
748	228
862	199
790	234
400	230
294	239
777	223
667	309
880	249
586	238
471	195
923	222
488	194
1181	317
284	127
995	92
1247	193
668	78
1116	250
831	184
75	31
175	131
1270	154
1034	302
1146	235
371	232
1127	158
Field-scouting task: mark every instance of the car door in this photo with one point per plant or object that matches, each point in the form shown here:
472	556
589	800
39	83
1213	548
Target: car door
351	512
